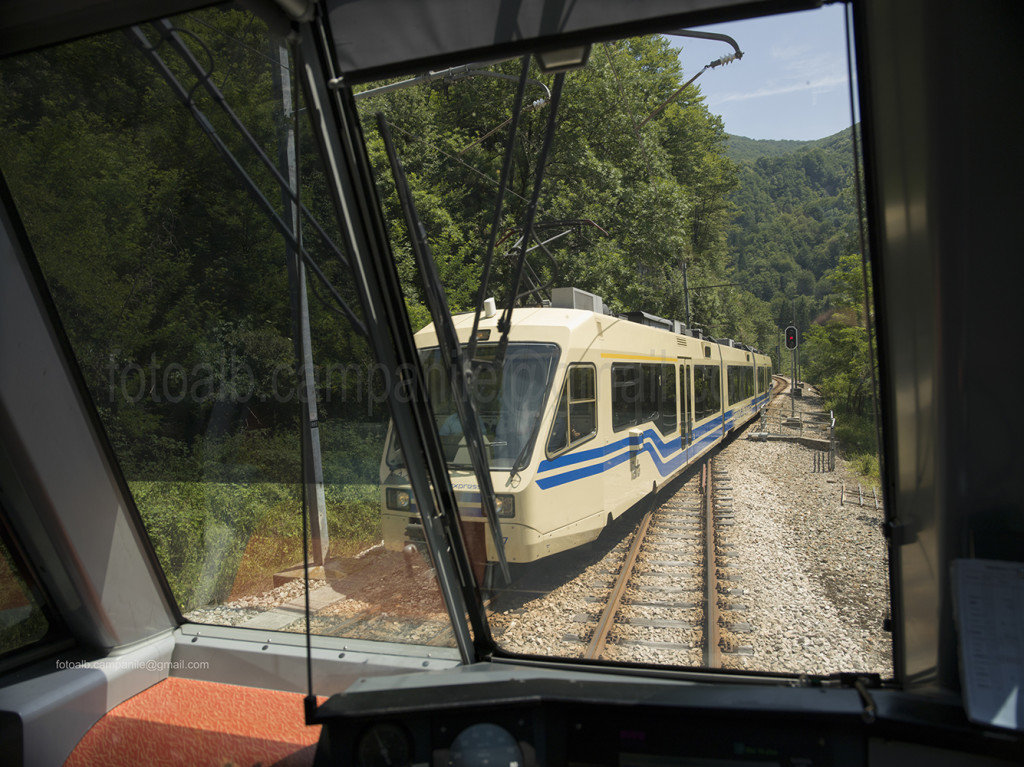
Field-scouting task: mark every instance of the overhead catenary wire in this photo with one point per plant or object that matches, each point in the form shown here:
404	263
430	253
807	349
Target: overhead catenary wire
450	156
169	34
630	113
504	181
720	61
534	105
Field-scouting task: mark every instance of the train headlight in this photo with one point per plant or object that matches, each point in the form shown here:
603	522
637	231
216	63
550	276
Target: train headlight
505	505
396	499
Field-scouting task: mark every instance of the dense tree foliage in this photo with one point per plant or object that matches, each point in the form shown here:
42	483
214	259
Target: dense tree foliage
172	283
741	148
655	191
795	245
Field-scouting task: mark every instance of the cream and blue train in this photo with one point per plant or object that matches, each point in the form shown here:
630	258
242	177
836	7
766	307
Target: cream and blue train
587	414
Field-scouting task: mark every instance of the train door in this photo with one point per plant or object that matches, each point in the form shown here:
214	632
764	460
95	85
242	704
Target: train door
685	405
723	396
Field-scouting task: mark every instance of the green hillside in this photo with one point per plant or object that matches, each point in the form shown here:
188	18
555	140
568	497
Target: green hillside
794	217
739	148
794	248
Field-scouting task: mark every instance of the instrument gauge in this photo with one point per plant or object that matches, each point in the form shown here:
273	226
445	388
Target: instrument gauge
384	745
485	744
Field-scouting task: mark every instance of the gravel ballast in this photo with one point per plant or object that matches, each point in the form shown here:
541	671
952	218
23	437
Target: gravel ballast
813	571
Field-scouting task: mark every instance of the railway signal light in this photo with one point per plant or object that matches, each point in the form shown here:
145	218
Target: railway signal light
791	337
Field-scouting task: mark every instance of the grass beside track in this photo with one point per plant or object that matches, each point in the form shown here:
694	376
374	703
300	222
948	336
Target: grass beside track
218	541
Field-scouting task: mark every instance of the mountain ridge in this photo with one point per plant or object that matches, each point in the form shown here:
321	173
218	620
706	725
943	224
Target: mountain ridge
741	148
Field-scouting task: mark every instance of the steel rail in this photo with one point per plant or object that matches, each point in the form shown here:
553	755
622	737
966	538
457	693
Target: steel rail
595	649
712	652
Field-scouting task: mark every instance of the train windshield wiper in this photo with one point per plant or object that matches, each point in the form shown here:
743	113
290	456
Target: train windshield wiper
448	341
505	321
531	436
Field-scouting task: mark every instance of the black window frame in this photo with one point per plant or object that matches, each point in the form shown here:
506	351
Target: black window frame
566	395
668	408
707	391
740	380
638	396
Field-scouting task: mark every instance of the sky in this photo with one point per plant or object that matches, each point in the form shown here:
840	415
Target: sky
791	82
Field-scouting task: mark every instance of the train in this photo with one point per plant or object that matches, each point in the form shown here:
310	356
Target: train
98	665
587	414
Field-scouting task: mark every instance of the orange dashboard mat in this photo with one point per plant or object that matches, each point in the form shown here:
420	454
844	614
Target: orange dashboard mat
180	722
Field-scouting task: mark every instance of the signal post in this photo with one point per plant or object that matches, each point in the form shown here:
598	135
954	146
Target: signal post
792	342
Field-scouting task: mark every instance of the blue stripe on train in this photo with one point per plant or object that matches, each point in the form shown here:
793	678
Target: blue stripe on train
674	457
665	448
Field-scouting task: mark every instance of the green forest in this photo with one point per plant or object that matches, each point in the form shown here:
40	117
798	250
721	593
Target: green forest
173	287
795	245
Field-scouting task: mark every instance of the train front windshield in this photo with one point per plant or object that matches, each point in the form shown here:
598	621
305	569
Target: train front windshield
508	397
186	310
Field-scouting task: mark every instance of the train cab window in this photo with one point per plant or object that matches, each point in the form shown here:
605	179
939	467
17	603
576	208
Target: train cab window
576	416
174	287
229	384
509	401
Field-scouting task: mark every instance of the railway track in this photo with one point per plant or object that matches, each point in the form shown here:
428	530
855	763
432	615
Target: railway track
761	578
669	593
676	595
654	602
673	593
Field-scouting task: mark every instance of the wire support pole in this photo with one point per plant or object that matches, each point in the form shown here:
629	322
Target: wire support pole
136	35
312	463
737	54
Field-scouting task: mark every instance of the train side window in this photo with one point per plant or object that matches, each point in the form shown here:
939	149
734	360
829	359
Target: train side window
625	395
643	394
667	414
707	391
741	383
576	417
650	386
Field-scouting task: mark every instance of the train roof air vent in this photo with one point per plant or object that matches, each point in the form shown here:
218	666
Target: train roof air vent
650	320
574	298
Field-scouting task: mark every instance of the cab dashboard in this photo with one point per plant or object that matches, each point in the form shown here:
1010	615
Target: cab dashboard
524	717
